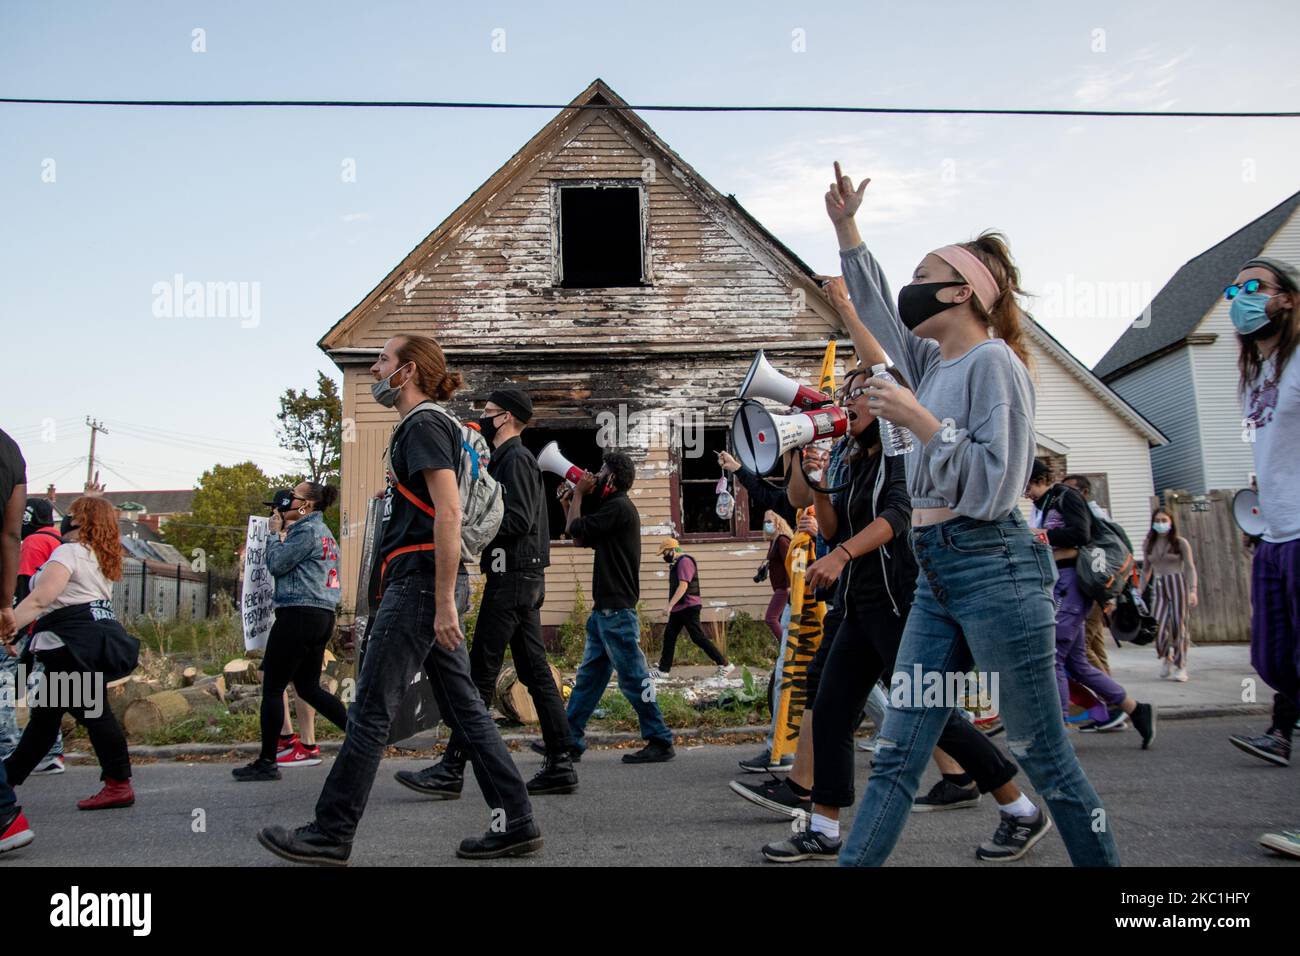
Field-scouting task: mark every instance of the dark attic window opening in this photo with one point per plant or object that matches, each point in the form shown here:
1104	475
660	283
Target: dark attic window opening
580	447
600	237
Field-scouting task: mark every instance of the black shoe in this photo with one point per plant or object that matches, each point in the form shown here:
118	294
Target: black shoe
259	769
804	845
575	755
1144	722
521	842
655	751
763	763
1115	718
1271	746
774	794
556	776
1015	836
946	795
305	845
442	781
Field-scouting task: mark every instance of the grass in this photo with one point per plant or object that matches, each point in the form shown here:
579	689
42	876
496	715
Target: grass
677	710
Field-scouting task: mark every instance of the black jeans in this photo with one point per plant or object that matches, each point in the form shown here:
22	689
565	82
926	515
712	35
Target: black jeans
688	618
511	614
1284	715
294	652
401	639
106	735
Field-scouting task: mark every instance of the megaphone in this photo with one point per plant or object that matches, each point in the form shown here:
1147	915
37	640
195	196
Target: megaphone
763	381
762	438
1245	511
552	461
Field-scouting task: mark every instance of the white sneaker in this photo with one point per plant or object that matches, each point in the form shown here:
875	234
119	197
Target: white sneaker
656	674
724	670
48	768
867	745
1165	667
1181	676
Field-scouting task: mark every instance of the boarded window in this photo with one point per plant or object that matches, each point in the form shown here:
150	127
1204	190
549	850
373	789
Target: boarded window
576	444
600	236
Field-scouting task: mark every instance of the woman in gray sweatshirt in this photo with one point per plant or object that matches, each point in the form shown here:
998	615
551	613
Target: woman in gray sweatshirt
984	589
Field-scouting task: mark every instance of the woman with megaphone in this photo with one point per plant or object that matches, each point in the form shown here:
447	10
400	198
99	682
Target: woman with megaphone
984	592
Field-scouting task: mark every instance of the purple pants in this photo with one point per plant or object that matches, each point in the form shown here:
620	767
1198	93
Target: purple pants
1072	607
1275	619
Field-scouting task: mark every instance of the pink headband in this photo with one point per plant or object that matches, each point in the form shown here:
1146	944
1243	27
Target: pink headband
975	273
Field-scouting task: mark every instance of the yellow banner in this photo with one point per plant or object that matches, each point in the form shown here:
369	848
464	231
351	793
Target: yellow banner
826	384
803	638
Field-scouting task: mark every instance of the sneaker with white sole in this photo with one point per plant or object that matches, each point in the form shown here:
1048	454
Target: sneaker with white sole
1180	675
1271	746
48	768
286	744
297	757
867	745
657	675
724	670
774	794
1014	837
1166	668
805	844
15	831
1115	720
1284	841
763	763
946	795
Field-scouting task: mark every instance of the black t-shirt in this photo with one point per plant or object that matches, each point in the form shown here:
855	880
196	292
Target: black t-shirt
425	439
13	470
614	532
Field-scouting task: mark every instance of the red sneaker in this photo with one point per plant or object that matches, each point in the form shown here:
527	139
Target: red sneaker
286	744
116	793
17	834
299	756
313	750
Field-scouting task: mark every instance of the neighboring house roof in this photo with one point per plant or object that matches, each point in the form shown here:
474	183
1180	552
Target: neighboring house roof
1178	308
135	529
524	163
1123	409
179	501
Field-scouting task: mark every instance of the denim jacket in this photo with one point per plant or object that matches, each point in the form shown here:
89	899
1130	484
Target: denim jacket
305	565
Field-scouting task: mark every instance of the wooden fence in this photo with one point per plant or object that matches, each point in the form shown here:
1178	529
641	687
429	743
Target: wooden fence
1222	565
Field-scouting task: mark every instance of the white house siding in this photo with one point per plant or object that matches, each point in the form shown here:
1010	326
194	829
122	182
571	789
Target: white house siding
1162	392
1228	457
1099	440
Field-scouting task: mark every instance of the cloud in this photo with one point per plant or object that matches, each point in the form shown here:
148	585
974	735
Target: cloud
355	217
1144	81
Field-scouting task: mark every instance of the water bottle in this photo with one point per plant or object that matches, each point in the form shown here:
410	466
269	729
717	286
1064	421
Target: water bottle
894	439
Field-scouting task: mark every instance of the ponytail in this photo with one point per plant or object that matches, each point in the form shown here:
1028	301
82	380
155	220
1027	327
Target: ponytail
431	373
323	496
1005	317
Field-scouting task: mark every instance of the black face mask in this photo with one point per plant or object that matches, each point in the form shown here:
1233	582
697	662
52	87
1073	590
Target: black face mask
918	302
66	525
1267	331
668	559
488	426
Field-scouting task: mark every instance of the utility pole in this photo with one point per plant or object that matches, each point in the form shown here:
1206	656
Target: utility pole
95	427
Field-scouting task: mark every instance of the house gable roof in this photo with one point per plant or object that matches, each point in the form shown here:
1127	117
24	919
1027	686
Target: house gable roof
565	126
1180	306
155	502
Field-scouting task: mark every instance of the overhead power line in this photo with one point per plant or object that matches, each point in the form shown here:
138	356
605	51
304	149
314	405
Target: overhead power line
662	108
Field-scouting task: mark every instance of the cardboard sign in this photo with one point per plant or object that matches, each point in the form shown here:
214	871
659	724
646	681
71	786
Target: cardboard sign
259	587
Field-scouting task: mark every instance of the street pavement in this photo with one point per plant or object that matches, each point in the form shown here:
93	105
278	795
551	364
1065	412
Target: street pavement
1192	800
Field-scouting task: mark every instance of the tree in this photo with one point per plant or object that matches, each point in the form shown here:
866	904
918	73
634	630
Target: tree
312	426
218	521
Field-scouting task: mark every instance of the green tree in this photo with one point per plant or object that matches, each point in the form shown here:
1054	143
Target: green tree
311	426
218	522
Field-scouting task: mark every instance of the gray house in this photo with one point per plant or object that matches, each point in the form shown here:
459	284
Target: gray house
1177	365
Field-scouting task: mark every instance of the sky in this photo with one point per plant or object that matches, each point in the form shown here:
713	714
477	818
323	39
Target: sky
102	208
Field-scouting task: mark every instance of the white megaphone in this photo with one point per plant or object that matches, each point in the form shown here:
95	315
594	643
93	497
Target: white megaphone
761	438
1245	511
552	461
763	381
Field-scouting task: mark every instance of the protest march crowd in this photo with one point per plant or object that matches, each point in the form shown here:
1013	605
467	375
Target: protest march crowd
896	547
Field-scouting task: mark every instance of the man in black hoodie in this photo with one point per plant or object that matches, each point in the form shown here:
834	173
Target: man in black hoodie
514	569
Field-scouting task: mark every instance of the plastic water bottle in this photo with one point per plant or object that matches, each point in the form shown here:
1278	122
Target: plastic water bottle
894	439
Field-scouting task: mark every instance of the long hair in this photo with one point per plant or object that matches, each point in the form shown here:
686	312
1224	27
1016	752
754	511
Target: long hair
96	522
1249	361
779	526
431	374
1005	315
1172	536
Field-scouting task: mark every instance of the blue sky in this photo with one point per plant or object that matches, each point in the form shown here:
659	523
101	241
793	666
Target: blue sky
1106	209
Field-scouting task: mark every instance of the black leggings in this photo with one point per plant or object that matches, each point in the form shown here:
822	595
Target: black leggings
688	618
105	732
294	653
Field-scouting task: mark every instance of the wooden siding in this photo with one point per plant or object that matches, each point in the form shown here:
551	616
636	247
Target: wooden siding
1162	391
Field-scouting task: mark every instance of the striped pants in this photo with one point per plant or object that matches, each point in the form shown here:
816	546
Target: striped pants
1170	609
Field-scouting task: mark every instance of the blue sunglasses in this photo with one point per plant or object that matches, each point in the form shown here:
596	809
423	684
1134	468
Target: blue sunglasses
1250	287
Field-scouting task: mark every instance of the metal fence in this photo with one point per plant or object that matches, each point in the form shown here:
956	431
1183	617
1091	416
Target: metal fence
171	592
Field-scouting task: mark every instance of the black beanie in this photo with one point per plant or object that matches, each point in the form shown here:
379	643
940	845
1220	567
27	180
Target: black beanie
515	401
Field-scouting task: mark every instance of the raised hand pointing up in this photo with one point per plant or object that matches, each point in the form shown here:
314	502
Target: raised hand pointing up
842	200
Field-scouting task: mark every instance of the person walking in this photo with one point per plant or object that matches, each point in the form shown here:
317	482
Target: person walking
1171	570
683	610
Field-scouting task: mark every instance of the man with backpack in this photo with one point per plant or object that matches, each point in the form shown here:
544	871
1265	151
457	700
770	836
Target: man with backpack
1065	522
432	478
514	568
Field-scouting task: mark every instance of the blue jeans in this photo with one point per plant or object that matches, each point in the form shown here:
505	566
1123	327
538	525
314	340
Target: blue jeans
990	581
614	644
8	696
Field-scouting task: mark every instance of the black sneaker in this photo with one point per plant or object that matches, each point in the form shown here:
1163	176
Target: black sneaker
1144	722
556	776
774	794
305	845
442	781
804	845
1115	719
520	842
763	763
258	770
1015	836
946	795
575	755
655	751
1271	746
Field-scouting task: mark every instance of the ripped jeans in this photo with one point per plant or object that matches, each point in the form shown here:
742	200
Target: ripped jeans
984	591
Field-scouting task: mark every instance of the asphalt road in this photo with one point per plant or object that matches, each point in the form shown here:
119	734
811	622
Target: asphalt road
1193	800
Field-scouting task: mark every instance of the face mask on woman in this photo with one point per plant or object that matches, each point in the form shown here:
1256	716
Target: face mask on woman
1161	527
769	528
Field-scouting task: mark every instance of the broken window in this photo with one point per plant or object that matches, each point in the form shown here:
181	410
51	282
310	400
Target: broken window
695	482
600	236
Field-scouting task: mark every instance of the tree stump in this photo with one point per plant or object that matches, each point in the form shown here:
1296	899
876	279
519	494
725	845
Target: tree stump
155	712
241	671
513	698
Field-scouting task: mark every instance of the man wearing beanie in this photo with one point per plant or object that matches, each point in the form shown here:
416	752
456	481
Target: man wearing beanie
514	566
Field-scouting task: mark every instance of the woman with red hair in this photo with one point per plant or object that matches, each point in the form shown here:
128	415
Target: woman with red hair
83	647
